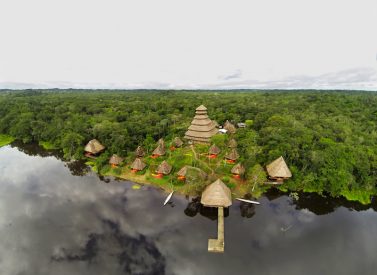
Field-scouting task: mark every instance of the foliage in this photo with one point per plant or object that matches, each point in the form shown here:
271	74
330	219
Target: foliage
328	138
5	140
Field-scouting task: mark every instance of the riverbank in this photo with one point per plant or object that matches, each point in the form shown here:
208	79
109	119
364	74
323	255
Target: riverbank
194	183
6	140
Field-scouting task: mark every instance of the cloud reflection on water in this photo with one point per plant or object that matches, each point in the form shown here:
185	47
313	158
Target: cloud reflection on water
54	223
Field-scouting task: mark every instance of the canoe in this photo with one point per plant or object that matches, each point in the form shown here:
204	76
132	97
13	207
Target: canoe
168	198
248	201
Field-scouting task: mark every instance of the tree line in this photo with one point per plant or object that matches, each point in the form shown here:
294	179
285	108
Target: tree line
328	138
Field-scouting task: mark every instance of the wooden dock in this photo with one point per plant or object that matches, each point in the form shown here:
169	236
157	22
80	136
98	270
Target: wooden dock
217	245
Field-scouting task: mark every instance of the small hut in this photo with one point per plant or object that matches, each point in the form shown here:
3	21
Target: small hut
217	195
159	151
137	165
161	142
278	170
232	156
164	168
94	147
213	151
241	125
229	127
192	174
139	152
177	142
238	170
232	143
115	160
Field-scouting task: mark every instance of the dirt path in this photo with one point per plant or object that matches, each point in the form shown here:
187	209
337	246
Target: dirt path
201	161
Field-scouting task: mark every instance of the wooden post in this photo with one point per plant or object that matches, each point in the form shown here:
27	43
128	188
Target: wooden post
217	245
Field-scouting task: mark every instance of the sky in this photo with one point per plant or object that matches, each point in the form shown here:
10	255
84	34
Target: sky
196	44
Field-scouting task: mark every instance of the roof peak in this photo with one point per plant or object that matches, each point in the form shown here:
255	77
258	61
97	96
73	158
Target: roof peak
201	108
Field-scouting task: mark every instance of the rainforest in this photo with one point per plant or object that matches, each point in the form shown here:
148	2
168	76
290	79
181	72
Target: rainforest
327	138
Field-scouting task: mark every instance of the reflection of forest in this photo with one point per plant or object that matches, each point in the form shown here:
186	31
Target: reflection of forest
33	149
319	204
76	167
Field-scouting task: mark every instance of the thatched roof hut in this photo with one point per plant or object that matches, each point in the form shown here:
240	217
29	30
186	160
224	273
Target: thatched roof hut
159	151
138	165
278	169
214	150
193	173
164	168
217	194
139	152
232	143
183	171
115	160
232	155
94	147
177	142
202	128
238	169
161	142
229	127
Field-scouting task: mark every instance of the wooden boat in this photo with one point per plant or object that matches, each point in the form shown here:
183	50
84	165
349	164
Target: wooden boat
168	198
248	201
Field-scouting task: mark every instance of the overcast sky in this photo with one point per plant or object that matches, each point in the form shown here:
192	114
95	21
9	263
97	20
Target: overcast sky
188	44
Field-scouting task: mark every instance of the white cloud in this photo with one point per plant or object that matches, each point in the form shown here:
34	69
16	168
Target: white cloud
191	44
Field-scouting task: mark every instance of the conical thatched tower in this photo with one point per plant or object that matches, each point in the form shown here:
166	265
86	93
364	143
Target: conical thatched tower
115	160
238	169
138	165
177	142
229	127
94	147
202	128
214	150
164	168
139	152
232	143
159	151
232	155
217	194
278	170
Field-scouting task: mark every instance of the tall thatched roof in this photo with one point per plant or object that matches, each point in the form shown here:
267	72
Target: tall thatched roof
94	147
232	143
214	150
232	155
138	164
177	142
160	150
201	128
217	194
187	170
229	127
164	168
115	159
238	169
139	152
278	169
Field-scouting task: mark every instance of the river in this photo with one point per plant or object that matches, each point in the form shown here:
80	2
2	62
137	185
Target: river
58	218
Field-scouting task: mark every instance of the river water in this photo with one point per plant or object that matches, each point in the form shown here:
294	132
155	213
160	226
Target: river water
57	219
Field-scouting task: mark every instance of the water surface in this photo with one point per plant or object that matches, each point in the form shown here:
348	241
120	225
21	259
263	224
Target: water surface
58	218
